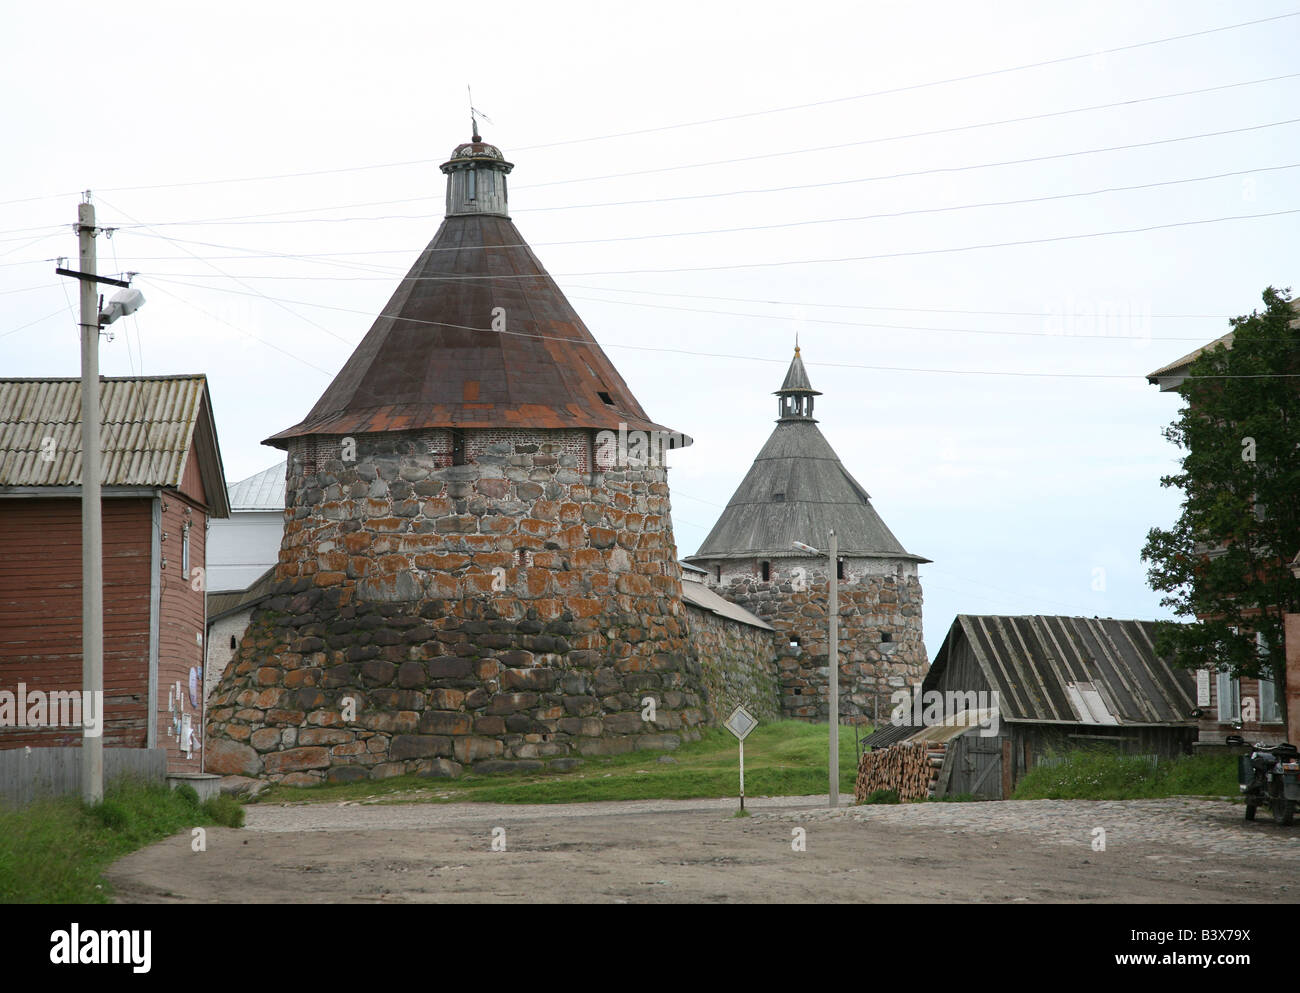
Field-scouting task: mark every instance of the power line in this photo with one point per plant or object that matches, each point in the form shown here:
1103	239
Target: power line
38	320
806	186
248	218
778	361
907	327
698	123
791	262
785	303
29	289
236	279
856	306
257	253
914	134
1057	334
908	175
246	334
911	87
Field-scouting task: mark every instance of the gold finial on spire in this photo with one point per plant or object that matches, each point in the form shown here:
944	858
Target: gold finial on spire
796	343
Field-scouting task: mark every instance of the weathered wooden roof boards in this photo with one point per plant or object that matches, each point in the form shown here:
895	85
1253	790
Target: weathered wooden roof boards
233	601
478	335
1058	670
1065	670
149	427
798	490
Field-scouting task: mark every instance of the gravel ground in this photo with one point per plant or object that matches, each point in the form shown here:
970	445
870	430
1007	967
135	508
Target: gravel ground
678	851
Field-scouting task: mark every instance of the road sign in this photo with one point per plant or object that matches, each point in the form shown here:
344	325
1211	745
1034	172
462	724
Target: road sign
741	722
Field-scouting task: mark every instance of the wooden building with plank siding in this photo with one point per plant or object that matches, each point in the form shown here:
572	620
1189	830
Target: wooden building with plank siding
162	482
1061	684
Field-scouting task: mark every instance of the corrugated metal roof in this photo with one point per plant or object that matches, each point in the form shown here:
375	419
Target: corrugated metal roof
261	491
147	425
693	591
798	490
1041	667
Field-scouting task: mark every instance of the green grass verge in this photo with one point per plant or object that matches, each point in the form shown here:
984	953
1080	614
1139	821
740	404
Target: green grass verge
782	758
53	850
1095	775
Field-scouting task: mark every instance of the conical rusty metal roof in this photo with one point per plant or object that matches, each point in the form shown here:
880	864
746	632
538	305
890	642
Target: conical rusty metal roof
437	356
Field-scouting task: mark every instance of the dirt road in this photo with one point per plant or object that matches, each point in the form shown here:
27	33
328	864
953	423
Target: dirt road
695	851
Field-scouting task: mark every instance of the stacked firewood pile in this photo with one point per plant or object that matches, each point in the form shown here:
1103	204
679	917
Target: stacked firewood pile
909	768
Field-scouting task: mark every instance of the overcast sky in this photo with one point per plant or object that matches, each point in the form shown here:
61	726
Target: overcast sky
1032	493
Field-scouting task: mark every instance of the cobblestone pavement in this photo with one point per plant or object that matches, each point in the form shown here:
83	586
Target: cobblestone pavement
1214	826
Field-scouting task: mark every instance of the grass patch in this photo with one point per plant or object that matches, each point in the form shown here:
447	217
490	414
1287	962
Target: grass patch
53	850
1098	775
882	796
782	758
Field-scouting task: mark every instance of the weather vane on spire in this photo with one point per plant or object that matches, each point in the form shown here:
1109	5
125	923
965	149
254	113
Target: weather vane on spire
474	114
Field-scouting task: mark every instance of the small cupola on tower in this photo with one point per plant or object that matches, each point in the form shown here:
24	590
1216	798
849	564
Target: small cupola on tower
796	394
476	178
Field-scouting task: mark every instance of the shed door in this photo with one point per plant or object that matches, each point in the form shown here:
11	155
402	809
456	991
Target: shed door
983	765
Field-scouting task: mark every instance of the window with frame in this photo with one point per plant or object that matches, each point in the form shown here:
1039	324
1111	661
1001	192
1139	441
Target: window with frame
1227	696
1270	709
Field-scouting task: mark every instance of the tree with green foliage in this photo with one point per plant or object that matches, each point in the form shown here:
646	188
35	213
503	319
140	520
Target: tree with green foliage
1226	560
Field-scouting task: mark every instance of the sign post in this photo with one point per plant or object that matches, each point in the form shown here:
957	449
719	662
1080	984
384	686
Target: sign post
740	723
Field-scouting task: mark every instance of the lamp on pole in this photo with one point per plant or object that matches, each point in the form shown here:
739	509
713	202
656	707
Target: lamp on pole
833	657
92	319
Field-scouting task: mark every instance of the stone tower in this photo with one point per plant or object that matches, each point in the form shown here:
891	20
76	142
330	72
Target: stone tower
474	572
798	490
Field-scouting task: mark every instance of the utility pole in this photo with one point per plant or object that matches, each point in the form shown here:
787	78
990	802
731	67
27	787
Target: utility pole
833	609
92	540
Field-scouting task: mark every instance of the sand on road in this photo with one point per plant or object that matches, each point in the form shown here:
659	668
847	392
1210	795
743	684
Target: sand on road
695	851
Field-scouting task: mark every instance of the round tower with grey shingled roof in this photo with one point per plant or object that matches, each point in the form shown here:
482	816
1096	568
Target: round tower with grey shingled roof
799	490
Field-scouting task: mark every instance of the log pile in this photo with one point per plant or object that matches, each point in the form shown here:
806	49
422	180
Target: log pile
909	768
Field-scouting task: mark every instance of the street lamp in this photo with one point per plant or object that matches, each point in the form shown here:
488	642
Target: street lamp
833	613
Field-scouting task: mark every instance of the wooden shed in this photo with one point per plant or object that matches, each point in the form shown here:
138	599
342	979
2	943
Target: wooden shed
162	481
1061	683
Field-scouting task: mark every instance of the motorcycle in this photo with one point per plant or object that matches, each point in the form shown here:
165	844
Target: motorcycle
1270	775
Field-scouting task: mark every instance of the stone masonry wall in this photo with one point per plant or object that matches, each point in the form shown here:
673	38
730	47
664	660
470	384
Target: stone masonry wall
738	666
503	614
878	598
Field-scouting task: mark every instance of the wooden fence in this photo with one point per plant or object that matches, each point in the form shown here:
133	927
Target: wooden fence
29	773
